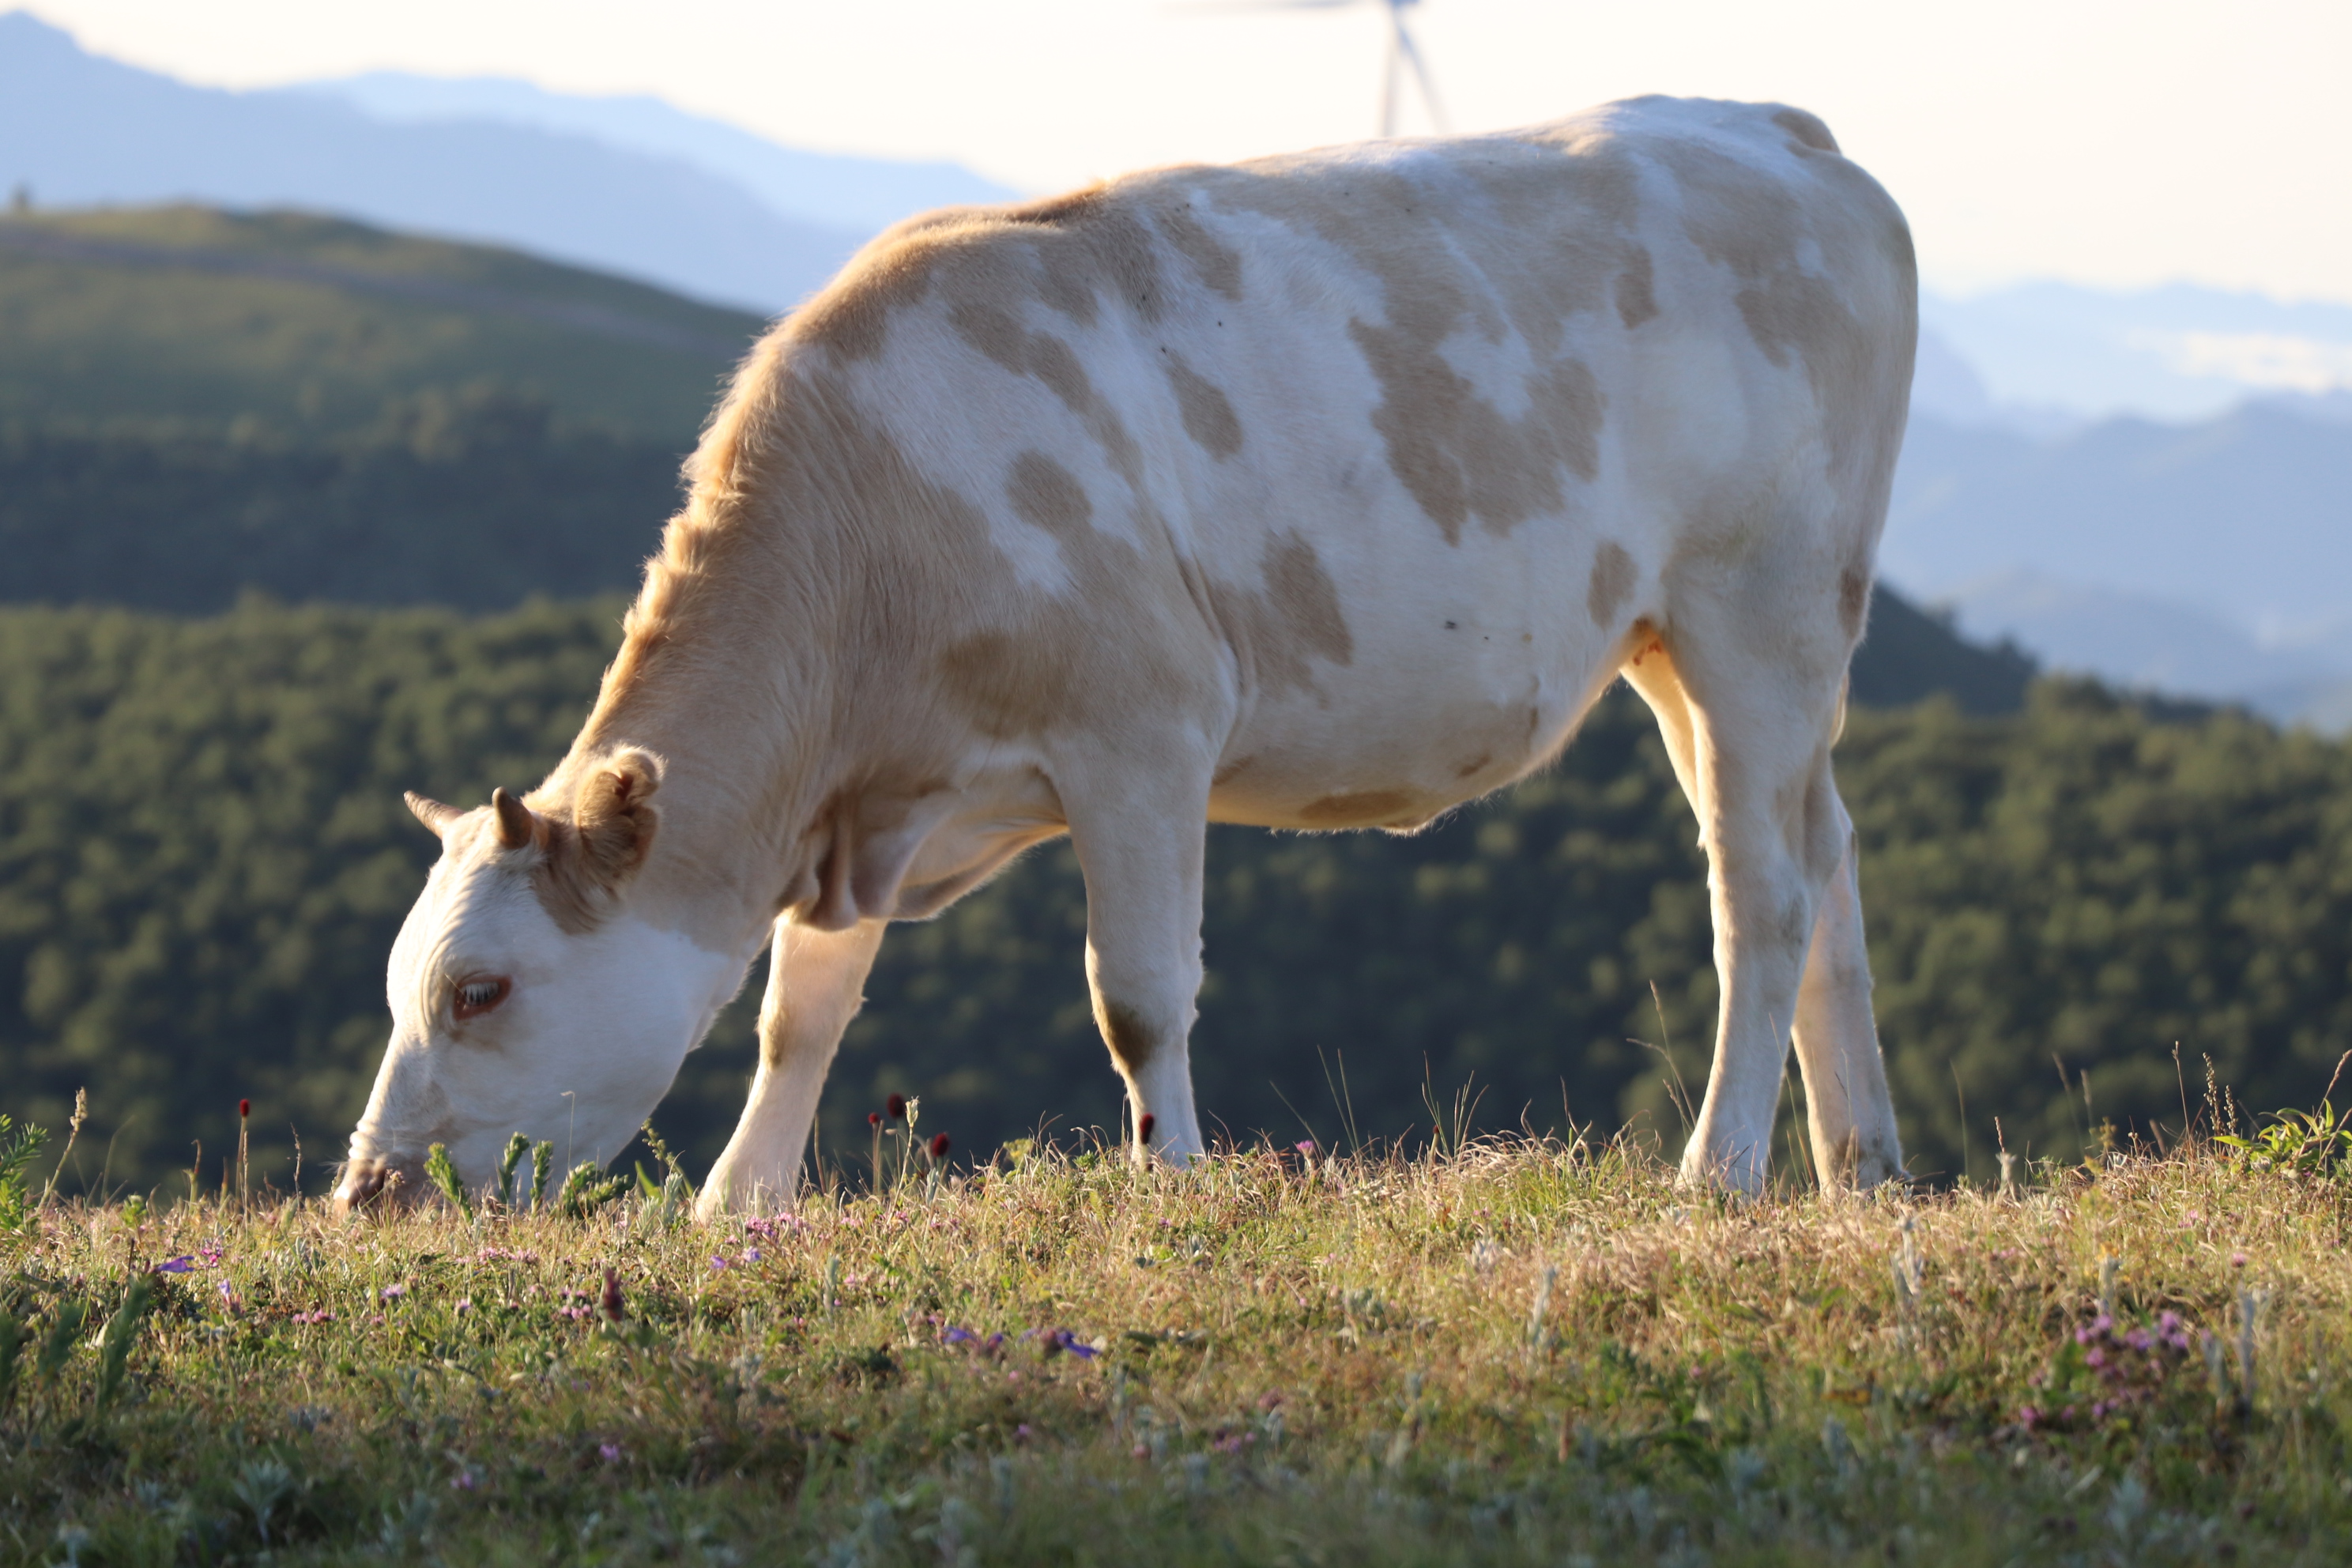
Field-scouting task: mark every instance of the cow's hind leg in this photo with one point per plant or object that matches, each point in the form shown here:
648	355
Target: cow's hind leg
1855	1143
1140	839
816	982
1750	733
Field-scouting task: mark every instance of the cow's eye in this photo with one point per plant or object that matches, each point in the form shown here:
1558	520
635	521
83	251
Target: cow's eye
479	995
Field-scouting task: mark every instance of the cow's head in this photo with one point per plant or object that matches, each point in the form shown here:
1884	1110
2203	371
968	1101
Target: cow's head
526	994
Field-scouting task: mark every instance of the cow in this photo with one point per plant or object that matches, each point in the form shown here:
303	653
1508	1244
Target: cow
1314	492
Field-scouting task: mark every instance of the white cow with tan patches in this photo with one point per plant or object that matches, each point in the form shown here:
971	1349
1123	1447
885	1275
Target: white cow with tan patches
1316	493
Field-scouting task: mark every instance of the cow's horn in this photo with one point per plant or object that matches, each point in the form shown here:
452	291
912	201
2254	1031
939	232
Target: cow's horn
431	812
515	825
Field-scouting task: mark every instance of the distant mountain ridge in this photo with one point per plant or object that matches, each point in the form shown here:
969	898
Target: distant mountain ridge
861	195
80	129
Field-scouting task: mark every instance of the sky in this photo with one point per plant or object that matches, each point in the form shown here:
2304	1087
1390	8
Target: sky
2115	142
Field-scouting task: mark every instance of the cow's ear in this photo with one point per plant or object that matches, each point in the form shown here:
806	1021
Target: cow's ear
614	816
432	813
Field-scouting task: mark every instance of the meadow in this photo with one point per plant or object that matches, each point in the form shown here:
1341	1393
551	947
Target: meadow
1495	1349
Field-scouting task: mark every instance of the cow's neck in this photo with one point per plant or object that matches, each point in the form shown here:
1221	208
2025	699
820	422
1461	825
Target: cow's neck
745	744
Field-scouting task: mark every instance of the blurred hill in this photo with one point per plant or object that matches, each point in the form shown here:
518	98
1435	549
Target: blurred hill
196	319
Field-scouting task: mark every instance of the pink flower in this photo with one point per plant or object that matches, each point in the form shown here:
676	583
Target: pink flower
611	1452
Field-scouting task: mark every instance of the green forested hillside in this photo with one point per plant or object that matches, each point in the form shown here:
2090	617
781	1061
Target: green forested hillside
191	317
204	859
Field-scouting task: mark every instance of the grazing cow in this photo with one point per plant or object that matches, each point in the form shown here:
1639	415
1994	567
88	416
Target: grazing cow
1316	493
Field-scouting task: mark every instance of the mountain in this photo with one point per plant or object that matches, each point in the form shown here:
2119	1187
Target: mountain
79	130
2247	516
2179	353
857	195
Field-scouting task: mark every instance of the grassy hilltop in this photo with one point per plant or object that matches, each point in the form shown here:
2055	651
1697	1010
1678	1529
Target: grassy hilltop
195	318
1497	1352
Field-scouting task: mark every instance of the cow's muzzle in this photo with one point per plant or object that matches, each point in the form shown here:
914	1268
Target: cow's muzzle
377	1183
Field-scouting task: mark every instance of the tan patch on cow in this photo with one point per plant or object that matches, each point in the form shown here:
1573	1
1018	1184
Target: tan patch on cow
1217	264
1750	223
1459	456
1280	628
1475	766
1367	808
1232	771
1209	417
1047	494
1546	237
1613	574
1125	1032
1853	601
1637	292
994	331
1009	685
1810	132
1098	246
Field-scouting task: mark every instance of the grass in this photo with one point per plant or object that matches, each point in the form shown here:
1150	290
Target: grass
1504	1352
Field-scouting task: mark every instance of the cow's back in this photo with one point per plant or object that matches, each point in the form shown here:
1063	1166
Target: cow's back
1362	465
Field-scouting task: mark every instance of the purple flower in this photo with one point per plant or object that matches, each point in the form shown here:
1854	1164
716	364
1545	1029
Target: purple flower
1305	1146
717	1262
464	1480
2028	1416
208	1256
392	1292
611	1452
1022	1433
955	1336
179	1265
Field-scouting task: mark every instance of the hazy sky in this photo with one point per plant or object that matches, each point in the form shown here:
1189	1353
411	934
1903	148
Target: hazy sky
2112	142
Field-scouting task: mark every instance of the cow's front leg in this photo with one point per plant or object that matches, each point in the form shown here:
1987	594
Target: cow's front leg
1140	842
816	982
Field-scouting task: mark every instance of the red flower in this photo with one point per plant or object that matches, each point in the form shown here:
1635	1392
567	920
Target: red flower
613	1311
244	1108
873	1119
938	1147
897	1106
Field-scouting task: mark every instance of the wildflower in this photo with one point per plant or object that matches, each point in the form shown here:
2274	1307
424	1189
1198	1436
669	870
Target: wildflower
716	1263
227	1295
1022	1433
208	1256
956	1336
750	1255
464	1304
179	1265
244	1108
613	1311
897	1107
2237	1260
1305	1146
465	1480
392	1292
873	1119
609	1452
939	1146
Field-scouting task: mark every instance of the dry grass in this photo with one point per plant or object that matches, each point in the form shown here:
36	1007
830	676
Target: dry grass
1504	1353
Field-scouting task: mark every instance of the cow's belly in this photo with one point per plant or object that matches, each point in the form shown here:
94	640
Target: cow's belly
1468	665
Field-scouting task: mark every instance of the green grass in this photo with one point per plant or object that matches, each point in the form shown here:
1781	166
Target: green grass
1512	1351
